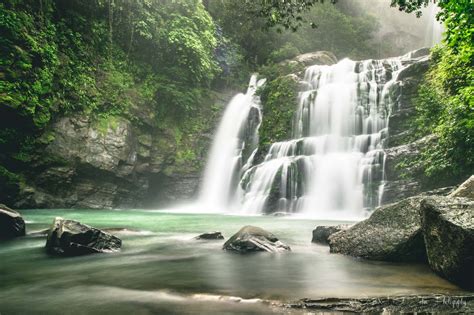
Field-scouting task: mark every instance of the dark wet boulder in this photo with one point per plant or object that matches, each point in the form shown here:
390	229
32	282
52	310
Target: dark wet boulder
465	190
11	223
210	236
448	229
392	233
321	233
254	239
71	238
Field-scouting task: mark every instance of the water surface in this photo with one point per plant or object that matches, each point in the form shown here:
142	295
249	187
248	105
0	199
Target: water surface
161	269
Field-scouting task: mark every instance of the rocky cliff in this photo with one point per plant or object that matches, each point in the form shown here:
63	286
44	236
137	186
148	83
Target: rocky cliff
117	162
403	178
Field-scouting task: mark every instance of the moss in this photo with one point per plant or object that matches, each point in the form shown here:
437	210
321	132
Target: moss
8	177
445	108
278	108
104	123
275	70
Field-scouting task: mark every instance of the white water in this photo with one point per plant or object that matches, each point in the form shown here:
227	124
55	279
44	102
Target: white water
225	159
334	168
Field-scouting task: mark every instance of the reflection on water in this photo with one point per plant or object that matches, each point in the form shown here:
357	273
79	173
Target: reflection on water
161	269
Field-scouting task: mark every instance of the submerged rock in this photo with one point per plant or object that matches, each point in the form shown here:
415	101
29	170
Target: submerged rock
321	233
448	229
280	214
254	239
465	190
210	236
11	223
71	238
392	233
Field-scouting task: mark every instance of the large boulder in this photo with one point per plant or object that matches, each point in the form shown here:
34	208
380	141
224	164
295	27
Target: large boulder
465	190
392	233
71	238
322	233
11	223
254	239
448	229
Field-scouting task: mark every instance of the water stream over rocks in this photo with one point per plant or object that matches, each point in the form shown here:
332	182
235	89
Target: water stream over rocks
333	168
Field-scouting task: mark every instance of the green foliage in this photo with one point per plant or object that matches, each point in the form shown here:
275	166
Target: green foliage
148	61
278	106
445	103
66	58
8	177
27	64
10	182
445	106
342	34
288	14
287	51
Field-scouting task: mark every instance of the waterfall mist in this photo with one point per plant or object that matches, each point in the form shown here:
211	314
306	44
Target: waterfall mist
398	32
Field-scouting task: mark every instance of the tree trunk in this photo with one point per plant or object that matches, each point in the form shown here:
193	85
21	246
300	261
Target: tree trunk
111	20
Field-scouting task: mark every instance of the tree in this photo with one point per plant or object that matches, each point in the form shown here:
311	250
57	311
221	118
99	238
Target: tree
286	13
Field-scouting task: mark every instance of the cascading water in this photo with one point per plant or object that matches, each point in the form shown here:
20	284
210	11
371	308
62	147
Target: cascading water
334	166
235	143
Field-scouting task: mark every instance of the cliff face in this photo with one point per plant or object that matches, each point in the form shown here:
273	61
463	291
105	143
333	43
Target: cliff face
118	163
403	179
121	162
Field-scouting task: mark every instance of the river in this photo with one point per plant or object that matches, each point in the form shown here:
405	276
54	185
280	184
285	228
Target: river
162	269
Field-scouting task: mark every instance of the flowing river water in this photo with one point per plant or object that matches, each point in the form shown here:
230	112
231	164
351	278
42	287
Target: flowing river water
161	269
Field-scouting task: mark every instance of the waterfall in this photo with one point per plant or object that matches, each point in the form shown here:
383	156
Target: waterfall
232	150
434	30
334	166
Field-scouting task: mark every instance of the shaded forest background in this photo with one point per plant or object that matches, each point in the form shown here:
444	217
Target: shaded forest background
109	58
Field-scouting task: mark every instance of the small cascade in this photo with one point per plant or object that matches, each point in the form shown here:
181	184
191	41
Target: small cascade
233	149
334	166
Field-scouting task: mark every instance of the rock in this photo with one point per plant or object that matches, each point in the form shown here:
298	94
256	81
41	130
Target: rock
399	185
254	239
71	238
392	233
414	69
465	190
117	162
317	58
404	177
11	223
422	52
321	233
210	236
448	230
